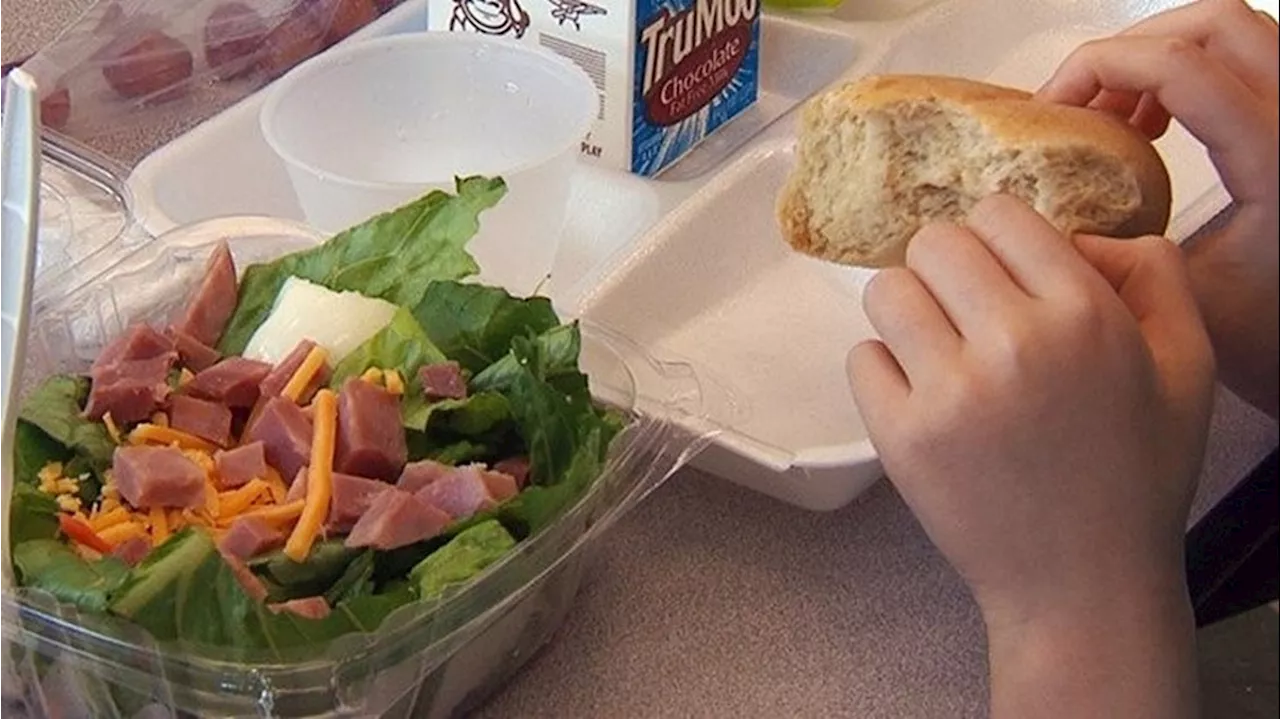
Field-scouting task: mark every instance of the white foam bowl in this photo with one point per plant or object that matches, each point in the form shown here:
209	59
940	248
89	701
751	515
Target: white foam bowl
369	126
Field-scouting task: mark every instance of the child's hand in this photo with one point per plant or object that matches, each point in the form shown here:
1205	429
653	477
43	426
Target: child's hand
1215	66
1042	408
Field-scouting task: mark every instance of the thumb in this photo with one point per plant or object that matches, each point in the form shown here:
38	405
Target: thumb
1150	277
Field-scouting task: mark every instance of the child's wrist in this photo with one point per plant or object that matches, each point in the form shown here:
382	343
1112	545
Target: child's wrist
1120	654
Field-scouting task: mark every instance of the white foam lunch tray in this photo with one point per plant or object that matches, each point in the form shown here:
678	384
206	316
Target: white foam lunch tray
691	265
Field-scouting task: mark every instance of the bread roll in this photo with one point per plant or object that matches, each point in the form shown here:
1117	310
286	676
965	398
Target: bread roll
880	157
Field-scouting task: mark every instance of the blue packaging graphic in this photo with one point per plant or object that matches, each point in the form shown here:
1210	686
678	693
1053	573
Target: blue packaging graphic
697	65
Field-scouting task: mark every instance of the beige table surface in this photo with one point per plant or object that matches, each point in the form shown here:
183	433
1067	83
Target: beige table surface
711	601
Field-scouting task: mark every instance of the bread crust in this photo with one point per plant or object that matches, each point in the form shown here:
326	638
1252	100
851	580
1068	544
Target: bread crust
1011	116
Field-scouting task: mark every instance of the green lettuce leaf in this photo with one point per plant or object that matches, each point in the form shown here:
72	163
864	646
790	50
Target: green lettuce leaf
356	581
401	345
186	591
474	324
325	564
32	450
393	256
216	612
557	355
552	423
475	416
54	407
53	566
32	514
465	556
537	506
448	450
152	595
565	436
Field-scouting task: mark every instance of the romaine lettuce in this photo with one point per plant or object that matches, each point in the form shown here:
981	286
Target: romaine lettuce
55	408
393	256
474	324
53	566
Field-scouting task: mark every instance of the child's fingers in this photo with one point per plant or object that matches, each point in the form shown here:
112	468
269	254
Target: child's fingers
1231	32
1211	102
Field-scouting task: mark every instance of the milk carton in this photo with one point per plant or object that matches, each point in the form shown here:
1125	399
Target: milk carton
669	72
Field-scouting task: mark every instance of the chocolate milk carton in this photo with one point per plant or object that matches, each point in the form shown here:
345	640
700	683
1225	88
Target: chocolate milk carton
669	72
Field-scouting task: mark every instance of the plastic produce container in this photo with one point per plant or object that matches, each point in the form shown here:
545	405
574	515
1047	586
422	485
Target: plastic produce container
427	659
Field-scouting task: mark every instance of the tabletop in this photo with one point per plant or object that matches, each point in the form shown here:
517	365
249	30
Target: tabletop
712	601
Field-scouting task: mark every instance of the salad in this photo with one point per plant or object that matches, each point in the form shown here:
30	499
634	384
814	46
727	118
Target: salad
309	444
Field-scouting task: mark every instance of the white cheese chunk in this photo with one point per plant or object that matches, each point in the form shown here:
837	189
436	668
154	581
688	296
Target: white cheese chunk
337	321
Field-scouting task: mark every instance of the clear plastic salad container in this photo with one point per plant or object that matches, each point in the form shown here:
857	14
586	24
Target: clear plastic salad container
96	274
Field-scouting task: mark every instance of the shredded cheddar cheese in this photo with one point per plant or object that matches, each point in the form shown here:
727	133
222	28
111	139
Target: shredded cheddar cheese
56	484
279	492
277	514
237	501
101	520
65	491
319	477
160	419
212	503
184	377
159	525
373	375
393	382
118	534
49	476
306	372
148	433
203	460
112	428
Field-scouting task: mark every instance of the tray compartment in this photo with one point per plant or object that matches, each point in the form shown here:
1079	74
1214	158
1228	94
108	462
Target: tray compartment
716	285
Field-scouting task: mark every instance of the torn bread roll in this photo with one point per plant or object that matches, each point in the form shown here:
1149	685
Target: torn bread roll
881	157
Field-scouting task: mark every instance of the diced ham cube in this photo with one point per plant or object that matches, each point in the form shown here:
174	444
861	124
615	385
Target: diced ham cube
131	390
249	581
285	433
214	299
307	607
233	381
516	467
139	342
249	537
417	475
275	382
460	493
443	380
501	485
195	355
350	499
396	519
132	551
297	487
370	436
205	419
157	477
236	467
